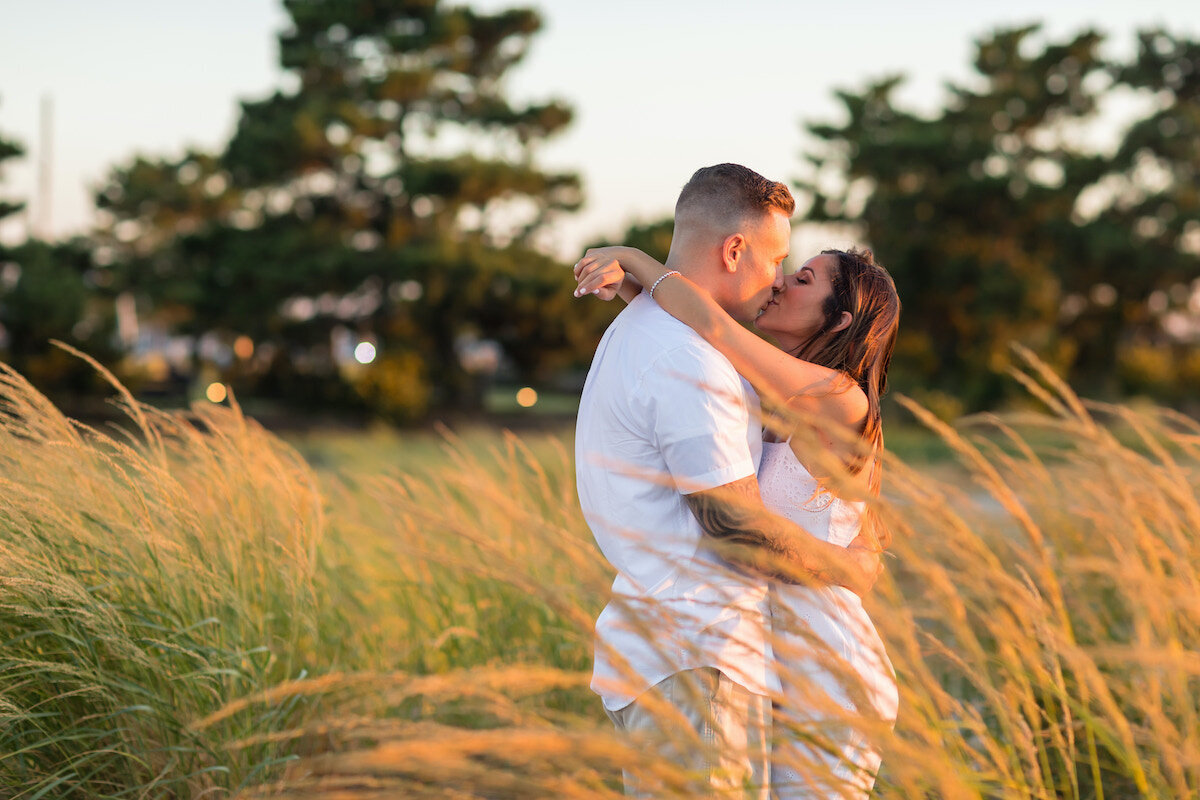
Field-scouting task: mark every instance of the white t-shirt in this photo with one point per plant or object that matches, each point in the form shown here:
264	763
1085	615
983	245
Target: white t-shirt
664	414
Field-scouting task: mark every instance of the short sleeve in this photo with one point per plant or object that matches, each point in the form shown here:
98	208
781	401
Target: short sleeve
700	418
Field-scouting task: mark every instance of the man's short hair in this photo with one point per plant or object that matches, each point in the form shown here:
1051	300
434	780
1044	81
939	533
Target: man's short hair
725	195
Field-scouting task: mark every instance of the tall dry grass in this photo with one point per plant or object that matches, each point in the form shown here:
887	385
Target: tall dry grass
191	611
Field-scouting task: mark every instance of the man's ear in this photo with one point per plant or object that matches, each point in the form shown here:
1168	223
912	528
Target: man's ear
732	250
843	323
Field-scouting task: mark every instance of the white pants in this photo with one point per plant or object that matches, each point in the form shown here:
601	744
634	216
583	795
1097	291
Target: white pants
733	725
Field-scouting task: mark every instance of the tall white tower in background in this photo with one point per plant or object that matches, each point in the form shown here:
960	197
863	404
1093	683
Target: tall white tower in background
41	217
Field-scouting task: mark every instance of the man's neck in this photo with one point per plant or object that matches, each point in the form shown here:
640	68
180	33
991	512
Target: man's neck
705	275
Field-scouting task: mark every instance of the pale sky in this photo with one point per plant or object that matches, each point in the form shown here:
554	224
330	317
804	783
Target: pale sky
659	89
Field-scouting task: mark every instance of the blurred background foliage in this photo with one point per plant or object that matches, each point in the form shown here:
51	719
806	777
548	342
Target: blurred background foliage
1000	221
392	200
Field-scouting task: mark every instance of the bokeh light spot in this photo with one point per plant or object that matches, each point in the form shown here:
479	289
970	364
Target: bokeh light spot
526	397
243	347
364	353
216	392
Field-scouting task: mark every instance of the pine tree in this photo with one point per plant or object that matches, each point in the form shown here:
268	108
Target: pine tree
1001	222
48	291
391	191
9	149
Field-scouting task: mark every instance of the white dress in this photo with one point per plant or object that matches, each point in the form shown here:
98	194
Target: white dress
813	629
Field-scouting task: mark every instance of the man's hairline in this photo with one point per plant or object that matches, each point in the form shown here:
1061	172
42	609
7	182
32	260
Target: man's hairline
753	218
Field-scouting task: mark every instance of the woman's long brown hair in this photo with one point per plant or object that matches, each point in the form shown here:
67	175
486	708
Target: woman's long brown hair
863	349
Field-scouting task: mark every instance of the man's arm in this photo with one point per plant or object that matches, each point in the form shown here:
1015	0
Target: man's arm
747	534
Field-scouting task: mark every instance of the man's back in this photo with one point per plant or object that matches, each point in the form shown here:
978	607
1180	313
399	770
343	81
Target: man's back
664	414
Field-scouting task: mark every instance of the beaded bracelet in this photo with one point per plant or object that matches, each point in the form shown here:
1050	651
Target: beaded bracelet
662	278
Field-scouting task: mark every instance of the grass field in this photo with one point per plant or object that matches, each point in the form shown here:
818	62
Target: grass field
201	609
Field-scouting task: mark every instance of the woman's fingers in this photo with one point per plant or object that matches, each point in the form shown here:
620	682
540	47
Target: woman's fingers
598	273
596	268
587	283
595	275
593	255
582	264
586	269
590	283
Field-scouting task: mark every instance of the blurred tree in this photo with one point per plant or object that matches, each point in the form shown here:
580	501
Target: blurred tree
1146	215
392	193
985	214
653	238
48	291
9	150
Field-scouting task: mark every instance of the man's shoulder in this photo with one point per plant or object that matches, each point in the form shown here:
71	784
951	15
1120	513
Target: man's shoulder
658	336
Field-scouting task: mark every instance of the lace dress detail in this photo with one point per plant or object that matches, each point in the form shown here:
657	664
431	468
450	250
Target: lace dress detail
812	623
790	490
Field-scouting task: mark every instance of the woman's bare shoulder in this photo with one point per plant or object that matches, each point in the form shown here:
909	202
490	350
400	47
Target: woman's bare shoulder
834	396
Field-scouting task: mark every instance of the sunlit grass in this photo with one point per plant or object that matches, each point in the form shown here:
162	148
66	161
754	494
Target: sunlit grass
190	609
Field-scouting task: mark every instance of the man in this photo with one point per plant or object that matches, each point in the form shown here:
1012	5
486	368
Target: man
667	445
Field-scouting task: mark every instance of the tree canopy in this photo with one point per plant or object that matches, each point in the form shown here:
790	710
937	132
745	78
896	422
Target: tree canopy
385	205
390	194
1002	222
49	291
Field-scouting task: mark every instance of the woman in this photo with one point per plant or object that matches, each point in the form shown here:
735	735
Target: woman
835	322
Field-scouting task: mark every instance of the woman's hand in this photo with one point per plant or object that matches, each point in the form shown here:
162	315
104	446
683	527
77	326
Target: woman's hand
599	272
870	567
